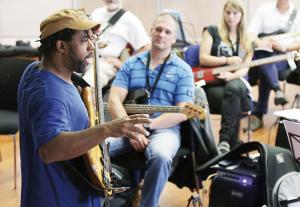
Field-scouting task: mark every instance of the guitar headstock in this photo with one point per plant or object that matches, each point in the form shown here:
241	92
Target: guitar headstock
297	56
191	110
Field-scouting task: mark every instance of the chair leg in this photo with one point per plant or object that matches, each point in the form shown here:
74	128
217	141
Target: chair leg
15	161
195	199
283	90
0	155
249	132
248	128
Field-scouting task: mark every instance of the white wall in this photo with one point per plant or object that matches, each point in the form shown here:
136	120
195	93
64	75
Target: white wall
20	19
195	13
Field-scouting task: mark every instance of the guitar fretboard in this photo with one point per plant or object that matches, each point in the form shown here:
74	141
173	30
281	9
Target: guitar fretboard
253	63
148	109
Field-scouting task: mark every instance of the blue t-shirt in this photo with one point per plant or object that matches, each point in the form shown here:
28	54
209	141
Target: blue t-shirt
48	106
176	83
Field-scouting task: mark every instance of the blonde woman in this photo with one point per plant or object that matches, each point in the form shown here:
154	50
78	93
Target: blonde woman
225	44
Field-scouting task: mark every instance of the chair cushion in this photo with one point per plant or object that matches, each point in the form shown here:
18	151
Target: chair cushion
9	122
191	55
284	74
11	70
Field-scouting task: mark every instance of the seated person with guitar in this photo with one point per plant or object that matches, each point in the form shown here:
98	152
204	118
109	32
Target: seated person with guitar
221	45
269	21
119	28
169	81
54	122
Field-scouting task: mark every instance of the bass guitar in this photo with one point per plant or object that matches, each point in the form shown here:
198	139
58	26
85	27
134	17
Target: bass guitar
97	160
133	105
209	74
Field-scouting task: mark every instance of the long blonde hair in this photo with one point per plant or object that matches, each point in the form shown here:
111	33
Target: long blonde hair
242	27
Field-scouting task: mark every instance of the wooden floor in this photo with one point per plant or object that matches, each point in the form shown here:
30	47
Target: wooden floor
171	197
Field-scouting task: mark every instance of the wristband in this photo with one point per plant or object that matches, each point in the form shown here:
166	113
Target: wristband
147	127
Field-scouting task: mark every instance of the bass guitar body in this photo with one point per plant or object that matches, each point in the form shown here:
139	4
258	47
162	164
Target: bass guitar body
209	75
206	74
96	159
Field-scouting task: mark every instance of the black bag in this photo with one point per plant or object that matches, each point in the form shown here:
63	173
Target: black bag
239	181
197	135
273	162
286	191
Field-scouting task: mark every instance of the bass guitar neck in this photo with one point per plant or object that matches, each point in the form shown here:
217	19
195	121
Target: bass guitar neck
209	74
189	110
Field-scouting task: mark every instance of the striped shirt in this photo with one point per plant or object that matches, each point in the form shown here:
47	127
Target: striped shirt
175	85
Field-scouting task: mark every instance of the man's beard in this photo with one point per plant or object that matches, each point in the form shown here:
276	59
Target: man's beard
78	66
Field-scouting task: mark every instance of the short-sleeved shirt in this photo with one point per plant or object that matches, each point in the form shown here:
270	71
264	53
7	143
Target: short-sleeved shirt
175	85
128	29
221	48
268	19
48	105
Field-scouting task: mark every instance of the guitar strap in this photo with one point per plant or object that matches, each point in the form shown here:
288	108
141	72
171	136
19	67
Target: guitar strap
291	20
83	177
235	48
287	28
113	20
79	81
290	61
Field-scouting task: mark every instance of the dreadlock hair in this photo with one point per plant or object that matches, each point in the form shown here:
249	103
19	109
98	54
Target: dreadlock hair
48	45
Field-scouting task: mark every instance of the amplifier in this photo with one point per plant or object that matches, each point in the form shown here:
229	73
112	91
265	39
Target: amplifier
237	184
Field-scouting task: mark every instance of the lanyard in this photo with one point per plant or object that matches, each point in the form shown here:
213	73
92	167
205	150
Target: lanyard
151	90
235	50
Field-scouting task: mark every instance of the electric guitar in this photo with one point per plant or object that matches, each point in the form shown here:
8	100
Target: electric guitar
134	98
208	74
97	160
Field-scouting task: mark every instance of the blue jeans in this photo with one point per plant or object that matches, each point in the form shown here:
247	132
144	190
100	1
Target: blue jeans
162	148
268	77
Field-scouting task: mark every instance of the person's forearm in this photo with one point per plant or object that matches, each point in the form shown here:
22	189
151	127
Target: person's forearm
167	120
209	60
68	145
115	102
243	71
116	109
116	62
240	73
294	46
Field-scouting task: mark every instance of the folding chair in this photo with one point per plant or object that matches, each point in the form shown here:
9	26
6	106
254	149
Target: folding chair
10	74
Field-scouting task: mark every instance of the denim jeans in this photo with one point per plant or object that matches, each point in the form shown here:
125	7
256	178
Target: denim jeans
268	77
163	146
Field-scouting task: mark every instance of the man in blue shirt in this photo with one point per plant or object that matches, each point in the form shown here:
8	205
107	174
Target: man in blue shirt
53	119
170	82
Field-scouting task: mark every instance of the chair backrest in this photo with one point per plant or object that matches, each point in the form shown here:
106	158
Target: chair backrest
180	35
11	70
294	76
191	55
